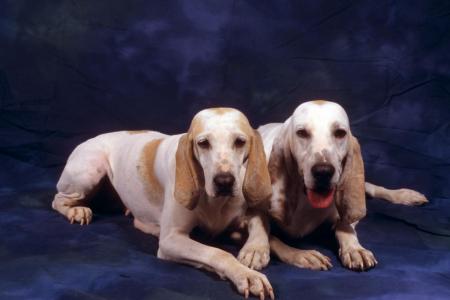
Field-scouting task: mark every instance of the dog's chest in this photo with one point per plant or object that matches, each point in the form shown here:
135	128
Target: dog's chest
215	217
303	219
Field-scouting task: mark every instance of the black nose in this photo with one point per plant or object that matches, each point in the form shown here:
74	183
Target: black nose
224	183
322	172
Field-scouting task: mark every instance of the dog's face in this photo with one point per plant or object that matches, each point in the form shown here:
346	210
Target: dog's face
221	146
320	141
212	155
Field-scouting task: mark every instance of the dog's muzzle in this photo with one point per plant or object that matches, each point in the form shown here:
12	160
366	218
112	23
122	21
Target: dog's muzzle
322	194
322	174
224	183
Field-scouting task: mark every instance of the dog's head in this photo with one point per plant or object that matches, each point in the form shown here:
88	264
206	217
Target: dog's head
219	146
329	157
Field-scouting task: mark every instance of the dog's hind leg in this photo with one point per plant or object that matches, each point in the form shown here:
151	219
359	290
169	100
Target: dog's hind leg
399	196
82	174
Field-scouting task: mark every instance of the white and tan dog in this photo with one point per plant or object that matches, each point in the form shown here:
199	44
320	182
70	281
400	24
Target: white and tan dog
317	175
204	178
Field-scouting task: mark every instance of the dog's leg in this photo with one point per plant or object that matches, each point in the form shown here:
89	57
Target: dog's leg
308	259
399	196
179	247
81	175
149	228
353	256
255	253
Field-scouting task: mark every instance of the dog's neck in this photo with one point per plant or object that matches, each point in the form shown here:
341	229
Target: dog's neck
286	180
217	213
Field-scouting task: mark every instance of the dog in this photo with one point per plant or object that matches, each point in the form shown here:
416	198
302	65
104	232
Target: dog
204	178
317	176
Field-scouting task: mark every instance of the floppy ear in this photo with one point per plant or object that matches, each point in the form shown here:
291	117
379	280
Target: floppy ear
189	180
351	198
257	186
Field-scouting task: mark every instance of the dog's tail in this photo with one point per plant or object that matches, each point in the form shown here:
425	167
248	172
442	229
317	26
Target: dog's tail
399	196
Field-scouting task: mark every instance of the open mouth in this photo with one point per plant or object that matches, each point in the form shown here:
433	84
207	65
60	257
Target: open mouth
320	199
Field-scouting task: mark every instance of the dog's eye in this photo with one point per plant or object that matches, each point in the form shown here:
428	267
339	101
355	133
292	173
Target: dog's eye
204	144
303	133
239	143
340	133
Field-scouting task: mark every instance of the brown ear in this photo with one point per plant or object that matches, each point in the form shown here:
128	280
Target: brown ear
189	180
351	198
256	187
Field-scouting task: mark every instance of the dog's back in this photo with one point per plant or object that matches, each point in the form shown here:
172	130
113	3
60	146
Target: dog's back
123	157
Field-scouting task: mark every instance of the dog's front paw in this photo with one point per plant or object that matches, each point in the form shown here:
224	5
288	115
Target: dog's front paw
255	255
309	259
79	214
357	259
249	281
408	197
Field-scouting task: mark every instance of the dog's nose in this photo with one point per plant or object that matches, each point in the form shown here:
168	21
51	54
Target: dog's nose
322	172
224	180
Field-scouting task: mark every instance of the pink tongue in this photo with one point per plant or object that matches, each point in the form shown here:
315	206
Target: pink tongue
320	200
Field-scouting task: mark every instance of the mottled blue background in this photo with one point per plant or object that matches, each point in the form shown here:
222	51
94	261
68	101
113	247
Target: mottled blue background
72	69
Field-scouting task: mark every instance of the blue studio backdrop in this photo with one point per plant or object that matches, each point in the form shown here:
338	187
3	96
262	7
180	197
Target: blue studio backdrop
70	70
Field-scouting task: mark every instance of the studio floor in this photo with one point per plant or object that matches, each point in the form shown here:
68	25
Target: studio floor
44	257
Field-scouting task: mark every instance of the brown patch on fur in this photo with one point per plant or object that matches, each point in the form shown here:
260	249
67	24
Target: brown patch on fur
147	169
277	173
244	125
221	110
351	197
256	187
275	167
319	102
189	180
137	131
196	127
283	169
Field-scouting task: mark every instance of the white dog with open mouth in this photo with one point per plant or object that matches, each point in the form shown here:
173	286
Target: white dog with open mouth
317	175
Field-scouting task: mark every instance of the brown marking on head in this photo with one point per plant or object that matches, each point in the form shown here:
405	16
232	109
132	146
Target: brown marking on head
146	168
319	102
189	179
196	127
221	110
137	131
351	197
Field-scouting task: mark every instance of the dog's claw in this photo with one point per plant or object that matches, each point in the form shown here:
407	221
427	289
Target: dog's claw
358	259
272	295
254	256
309	259
79	214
